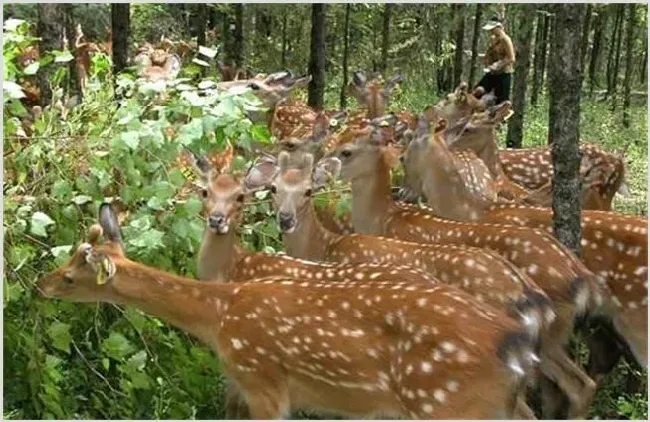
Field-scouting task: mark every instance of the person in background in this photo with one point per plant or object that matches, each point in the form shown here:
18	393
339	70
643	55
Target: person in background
499	60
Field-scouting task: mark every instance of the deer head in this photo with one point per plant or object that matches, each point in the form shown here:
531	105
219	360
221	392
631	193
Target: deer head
373	93
461	103
294	185
86	276
315	143
222	193
277	87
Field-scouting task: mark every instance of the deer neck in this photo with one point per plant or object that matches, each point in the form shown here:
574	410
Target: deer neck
218	255
444	187
310	240
371	201
190	305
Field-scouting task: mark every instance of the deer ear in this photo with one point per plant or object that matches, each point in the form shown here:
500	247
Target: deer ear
321	126
326	169
301	82
337	119
109	224
101	264
261	174
283	160
501	112
390	154
173	65
142	60
390	83
200	164
441	125
359	79
307	164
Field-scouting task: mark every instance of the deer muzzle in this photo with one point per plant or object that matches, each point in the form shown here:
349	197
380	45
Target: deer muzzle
218	223
287	222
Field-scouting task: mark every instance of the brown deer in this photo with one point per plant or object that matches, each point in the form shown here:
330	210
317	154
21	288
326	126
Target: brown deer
431	167
286	343
615	247
461	103
484	274
573	289
531	168
156	64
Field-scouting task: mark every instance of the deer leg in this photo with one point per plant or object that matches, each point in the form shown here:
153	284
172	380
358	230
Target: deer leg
604	353
552	401
522	411
573	382
636	339
232	402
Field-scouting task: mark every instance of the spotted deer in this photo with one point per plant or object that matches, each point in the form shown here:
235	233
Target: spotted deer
484	274
573	289
615	247
458	186
278	364
157	65
462	103
531	168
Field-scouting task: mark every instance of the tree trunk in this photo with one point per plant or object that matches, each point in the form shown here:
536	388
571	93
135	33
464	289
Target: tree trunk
346	46
459	39
585	34
478	15
238	36
565	79
120	22
74	83
212	17
644	63
545	42
50	30
385	40
201	14
523	42
316	89
283	62
629	52
599	27
537	62
612	51
617	61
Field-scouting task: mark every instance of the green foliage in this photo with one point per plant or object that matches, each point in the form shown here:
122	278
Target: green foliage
64	360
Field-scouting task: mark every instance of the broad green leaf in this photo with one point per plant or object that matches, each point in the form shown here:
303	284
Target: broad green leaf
117	346
201	62
32	68
207	84
61	189
193	206
131	139
40	221
11	25
63	57
207	52
13	90
81	199
59	332
58	251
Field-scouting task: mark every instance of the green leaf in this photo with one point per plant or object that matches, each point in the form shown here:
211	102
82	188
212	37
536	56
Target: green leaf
117	346
131	139
11	25
39	222
201	62
62	57
207	52
61	189
81	199
60	335
58	251
193	206
13	90
207	84
32	69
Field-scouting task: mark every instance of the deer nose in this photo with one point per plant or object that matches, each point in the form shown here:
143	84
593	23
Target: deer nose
216	220
286	220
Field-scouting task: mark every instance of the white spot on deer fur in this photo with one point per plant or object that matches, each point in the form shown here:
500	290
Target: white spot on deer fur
448	346
640	270
236	343
440	395
452	386
427	368
427	408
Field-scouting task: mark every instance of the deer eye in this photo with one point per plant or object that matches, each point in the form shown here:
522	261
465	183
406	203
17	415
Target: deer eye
274	189
254	87
308	192
240	197
204	193
68	280
346	153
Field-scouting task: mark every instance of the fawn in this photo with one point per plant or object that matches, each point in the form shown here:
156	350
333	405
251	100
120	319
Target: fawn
282	342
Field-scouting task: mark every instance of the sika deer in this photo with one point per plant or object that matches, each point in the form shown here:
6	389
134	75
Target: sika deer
573	289
484	274
158	65
615	247
478	355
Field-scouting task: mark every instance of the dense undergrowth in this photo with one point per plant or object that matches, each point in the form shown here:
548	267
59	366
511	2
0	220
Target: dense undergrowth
96	361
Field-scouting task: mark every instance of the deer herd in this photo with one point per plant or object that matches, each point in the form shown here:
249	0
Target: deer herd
454	309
